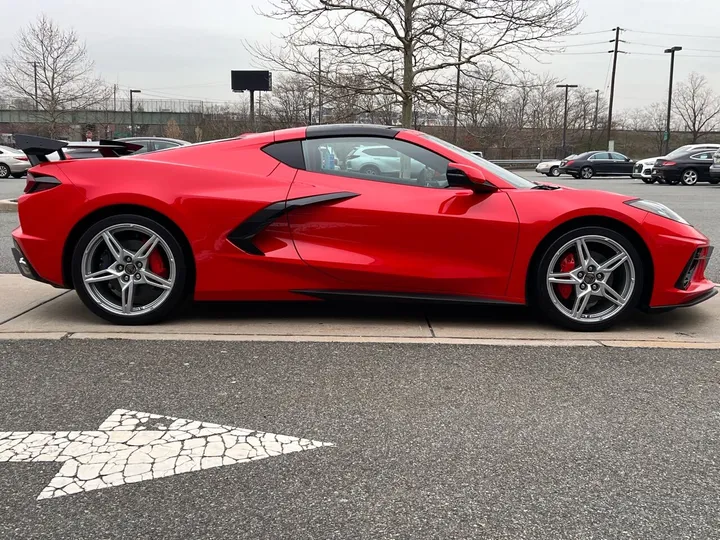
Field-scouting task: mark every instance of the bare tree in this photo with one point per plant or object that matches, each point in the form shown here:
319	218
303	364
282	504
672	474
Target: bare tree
408	49
172	129
65	78
697	105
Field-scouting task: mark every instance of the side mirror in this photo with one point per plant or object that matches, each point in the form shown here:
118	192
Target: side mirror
461	175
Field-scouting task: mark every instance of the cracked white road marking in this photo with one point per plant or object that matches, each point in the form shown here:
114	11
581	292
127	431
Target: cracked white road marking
133	446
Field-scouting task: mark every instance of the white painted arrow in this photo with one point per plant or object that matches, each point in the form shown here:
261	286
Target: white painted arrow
133	446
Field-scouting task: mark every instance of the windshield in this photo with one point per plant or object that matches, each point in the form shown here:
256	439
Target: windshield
509	177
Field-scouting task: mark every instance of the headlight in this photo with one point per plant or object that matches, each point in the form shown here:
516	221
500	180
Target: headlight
657	209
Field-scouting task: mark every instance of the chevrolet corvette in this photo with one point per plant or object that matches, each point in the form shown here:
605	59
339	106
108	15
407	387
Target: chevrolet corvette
281	216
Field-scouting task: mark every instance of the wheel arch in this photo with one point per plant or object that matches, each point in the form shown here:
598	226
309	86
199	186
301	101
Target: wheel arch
106	211
595	221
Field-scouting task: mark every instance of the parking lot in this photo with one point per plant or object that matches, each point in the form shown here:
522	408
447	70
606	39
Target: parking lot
442	422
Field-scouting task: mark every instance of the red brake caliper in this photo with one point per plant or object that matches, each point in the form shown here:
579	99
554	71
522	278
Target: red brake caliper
157	264
566	265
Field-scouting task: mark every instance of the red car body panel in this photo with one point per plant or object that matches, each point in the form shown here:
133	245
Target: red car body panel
387	237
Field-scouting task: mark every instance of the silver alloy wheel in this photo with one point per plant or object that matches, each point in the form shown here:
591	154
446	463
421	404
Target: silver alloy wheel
4	170
600	288
120	286
586	173
555	171
690	177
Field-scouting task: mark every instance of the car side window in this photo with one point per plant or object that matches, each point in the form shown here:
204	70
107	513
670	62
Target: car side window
365	158
599	156
162	145
702	155
616	156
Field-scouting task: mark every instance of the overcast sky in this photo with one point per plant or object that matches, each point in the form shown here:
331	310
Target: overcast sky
186	49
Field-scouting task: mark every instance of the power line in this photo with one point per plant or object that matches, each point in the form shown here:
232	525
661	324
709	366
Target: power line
669	34
664	46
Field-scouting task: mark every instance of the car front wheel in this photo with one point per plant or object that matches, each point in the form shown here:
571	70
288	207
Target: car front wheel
588	279
130	269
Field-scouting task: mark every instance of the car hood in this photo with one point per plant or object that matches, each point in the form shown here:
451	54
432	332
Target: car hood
648	161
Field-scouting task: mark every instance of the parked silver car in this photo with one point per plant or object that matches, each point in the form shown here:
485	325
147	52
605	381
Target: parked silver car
13	162
379	160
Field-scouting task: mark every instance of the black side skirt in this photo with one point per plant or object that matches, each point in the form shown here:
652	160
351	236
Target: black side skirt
402	297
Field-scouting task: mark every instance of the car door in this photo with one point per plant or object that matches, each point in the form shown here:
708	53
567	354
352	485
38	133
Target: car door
601	163
621	165
701	162
400	233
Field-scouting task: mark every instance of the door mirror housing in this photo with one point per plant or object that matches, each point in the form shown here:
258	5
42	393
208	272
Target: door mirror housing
467	176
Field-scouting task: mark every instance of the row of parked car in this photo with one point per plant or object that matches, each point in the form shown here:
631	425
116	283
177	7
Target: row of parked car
686	165
14	162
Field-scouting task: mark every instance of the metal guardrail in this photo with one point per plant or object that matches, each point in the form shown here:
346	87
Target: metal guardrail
516	163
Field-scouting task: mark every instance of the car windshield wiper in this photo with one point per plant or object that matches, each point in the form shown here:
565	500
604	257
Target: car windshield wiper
545	187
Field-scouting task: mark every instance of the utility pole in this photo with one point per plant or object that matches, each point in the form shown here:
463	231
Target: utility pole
252	109
36	91
615	52
115	97
457	93
567	88
320	97
132	118
597	103
672	51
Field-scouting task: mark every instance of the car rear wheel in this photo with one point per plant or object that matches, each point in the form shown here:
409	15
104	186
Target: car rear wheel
370	170
554	171
588	279
129	269
689	177
4	170
587	173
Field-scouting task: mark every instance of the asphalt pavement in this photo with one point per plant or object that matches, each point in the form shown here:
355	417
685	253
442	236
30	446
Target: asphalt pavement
430	441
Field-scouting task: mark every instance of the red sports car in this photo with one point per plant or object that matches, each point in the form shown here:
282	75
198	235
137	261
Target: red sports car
295	215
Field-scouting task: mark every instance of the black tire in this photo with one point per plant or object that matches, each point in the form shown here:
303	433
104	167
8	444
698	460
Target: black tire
540	297
4	170
177	295
690	177
587	172
370	170
18	174
554	171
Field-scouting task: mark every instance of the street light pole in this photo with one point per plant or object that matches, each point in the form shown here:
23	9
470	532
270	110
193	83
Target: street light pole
672	52
567	88
597	102
132	118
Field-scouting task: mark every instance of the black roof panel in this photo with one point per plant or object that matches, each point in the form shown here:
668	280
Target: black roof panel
351	130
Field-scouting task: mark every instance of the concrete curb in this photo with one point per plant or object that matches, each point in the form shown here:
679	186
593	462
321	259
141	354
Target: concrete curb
9	205
136	336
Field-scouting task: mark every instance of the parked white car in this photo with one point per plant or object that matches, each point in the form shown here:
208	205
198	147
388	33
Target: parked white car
375	160
13	162
551	168
643	168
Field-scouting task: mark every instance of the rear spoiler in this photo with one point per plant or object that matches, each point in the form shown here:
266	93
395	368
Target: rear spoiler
38	148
